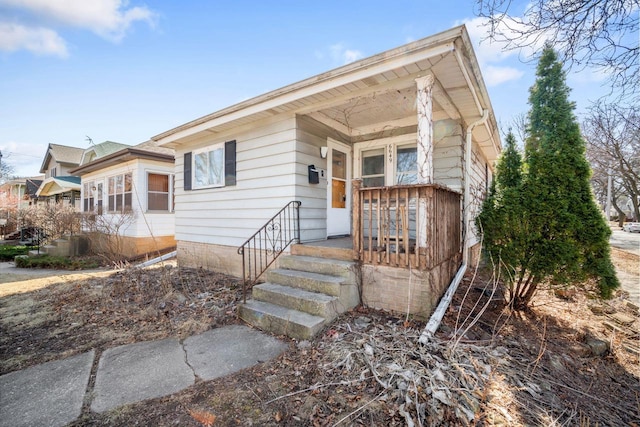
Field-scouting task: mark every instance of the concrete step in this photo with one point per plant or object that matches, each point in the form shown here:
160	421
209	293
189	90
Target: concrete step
280	320
314	282
331	267
328	252
309	302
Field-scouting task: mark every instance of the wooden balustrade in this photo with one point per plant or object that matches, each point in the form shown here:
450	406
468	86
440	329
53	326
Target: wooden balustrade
408	225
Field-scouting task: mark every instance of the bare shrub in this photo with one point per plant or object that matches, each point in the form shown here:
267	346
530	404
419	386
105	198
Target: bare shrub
107	235
53	220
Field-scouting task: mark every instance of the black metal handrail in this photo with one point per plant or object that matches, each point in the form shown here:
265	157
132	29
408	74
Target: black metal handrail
263	248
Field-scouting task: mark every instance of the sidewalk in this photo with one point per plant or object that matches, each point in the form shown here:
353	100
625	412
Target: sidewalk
52	394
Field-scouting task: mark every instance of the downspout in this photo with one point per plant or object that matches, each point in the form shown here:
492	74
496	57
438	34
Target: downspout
438	314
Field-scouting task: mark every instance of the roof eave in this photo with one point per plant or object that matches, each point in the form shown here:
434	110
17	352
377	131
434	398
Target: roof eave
121	156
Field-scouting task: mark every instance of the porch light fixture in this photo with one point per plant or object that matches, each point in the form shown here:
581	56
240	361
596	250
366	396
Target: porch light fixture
323	152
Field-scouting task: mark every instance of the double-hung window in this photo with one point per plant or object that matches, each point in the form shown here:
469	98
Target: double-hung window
208	168
92	196
387	162
158	192
213	166
87	197
120	189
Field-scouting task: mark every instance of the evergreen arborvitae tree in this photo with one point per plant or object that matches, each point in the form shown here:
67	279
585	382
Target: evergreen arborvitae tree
553	231
503	220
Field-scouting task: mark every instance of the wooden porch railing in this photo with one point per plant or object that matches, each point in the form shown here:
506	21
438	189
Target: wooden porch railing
417	225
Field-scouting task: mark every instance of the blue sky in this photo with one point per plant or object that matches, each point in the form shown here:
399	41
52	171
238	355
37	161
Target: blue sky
126	71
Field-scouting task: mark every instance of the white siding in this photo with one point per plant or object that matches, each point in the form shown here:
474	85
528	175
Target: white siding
145	224
265	158
478	187
311	136
448	148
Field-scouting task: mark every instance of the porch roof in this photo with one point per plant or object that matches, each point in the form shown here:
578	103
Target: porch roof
58	185
376	92
145	151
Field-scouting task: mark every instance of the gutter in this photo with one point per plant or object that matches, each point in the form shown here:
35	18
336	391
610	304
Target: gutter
436	318
158	259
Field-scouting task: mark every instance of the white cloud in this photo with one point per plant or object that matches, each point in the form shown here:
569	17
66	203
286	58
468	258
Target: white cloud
341	54
41	41
497	50
351	55
495	76
110	19
492	54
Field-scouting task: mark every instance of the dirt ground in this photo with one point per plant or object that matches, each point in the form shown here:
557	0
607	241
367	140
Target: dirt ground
570	360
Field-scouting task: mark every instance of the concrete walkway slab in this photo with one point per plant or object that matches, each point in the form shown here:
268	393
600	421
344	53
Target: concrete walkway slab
47	395
136	372
222	351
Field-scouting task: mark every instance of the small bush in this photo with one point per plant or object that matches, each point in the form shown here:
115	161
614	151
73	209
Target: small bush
55	262
8	253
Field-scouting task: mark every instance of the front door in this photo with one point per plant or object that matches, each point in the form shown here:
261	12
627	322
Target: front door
338	189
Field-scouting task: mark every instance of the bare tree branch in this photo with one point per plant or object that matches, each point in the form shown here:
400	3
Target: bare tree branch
594	33
613	146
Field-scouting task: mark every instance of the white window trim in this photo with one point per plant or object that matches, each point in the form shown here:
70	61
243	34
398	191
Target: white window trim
194	171
105	190
91	184
390	146
171	176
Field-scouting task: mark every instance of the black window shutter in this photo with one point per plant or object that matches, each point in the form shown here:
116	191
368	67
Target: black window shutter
230	163
187	171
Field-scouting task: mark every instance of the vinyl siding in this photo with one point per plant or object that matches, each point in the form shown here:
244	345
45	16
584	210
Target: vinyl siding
145	223
265	158
448	149
477	190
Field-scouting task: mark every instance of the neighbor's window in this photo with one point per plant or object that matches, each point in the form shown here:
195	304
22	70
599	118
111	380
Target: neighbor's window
87	197
92	197
157	192
98	196
209	167
120	187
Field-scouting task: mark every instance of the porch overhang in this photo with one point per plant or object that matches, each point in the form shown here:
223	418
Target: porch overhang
364	98
54	186
120	157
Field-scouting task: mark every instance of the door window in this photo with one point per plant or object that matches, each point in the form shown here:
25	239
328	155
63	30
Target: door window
338	179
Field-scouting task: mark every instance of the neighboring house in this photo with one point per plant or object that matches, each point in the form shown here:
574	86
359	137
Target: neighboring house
132	190
58	184
16	194
395	151
19	193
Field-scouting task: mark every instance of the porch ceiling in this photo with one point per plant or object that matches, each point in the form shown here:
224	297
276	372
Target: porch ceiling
390	99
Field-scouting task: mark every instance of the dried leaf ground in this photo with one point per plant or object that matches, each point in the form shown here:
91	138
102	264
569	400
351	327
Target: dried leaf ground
366	369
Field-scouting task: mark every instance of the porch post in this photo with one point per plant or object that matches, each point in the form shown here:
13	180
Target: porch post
425	129
424	86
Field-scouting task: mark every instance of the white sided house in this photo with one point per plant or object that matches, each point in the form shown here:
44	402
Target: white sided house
128	195
373	171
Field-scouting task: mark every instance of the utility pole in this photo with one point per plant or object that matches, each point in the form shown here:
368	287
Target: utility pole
607	211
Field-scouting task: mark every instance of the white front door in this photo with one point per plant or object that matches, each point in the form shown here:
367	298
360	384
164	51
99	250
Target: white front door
338	189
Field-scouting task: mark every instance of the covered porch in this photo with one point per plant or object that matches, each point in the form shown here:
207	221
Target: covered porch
416	226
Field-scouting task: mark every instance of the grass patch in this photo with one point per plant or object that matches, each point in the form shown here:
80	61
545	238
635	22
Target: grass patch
9	252
55	262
